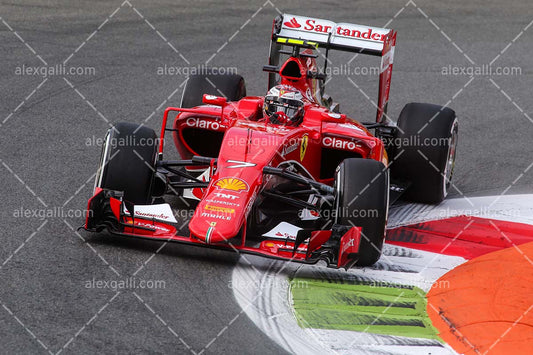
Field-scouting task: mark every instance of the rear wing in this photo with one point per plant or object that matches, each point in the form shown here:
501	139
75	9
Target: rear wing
295	30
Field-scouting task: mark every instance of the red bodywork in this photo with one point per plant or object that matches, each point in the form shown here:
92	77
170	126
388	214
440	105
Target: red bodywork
249	138
244	142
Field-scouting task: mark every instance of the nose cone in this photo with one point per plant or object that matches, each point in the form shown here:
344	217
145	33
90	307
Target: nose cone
231	193
213	233
209	235
222	211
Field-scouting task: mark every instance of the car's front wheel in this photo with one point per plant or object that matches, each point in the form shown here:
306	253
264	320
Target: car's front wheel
127	162
362	200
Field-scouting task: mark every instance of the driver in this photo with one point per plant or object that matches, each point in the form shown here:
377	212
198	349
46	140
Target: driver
284	105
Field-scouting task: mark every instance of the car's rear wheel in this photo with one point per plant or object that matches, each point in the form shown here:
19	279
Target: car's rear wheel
231	86
362	200
425	146
127	162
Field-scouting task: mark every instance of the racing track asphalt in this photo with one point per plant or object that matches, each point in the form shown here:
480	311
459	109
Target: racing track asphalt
49	149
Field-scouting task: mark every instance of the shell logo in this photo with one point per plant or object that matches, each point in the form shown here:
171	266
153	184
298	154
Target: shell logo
232	184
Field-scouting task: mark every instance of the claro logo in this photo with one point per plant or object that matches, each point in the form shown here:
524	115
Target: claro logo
331	142
206	124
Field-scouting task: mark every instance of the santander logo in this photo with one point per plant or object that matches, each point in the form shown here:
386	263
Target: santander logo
341	30
292	23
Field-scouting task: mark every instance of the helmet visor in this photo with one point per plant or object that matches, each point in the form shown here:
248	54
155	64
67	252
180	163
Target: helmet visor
289	107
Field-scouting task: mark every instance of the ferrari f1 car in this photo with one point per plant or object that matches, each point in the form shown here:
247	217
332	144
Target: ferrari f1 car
285	175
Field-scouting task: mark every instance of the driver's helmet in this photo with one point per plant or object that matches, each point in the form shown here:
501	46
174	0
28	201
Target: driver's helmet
284	105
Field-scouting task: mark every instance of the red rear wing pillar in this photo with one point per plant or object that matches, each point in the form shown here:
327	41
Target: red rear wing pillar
387	57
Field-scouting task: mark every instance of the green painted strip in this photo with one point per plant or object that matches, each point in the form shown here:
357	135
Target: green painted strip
393	310
208	234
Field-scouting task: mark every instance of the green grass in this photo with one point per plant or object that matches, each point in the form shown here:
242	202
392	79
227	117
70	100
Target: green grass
392	310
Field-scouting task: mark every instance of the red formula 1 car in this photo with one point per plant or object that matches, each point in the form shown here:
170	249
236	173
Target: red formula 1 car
285	175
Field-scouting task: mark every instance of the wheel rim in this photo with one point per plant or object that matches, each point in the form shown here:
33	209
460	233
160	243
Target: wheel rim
103	158
337	187
450	162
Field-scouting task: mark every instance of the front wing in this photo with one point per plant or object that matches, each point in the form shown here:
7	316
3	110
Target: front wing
338	247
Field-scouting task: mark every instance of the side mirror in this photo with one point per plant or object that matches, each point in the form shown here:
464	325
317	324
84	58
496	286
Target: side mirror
214	100
334	117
